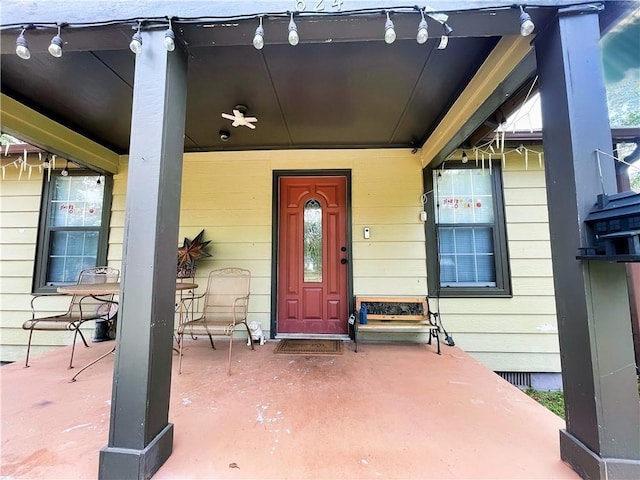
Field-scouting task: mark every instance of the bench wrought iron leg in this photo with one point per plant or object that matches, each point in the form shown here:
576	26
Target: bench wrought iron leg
355	337
434	332
26	362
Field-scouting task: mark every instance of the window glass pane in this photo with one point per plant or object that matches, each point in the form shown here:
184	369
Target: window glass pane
61	186
443	182
446	241
63	270
466	268
464	241
69	253
77	201
467	256
463	209
55	272
486	269
58	243
483	209
483	239
463	196
313	241
447	269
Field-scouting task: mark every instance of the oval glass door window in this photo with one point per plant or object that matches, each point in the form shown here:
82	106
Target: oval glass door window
313	241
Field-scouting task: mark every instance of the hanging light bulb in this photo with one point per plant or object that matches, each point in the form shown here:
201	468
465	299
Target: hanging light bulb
45	163
294	38
55	48
526	24
99	180
423	33
258	38
65	170
22	47
465	158
136	41
169	39
389	32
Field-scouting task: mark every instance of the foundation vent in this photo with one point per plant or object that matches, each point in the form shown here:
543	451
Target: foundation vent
519	379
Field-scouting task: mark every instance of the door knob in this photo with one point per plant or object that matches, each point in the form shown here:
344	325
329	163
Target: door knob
343	261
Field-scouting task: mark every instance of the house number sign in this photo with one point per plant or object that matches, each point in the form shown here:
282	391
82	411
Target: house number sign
320	6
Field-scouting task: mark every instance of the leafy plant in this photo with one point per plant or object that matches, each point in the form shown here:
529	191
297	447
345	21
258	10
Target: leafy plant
554	401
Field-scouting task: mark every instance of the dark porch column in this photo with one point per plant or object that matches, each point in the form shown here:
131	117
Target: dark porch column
140	437
602	438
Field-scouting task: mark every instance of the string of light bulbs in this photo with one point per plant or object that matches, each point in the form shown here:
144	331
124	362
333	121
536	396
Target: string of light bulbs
293	36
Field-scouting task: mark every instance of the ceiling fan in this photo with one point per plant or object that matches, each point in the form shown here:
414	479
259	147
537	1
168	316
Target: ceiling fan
239	118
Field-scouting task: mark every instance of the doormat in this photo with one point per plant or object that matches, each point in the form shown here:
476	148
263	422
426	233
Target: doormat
309	347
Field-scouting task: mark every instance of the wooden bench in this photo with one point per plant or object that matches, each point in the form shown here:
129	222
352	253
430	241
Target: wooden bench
397	315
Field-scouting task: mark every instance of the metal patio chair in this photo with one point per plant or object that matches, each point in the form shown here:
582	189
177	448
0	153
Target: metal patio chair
225	305
82	308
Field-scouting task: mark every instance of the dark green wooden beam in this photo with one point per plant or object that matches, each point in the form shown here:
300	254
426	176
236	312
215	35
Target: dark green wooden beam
140	437
602	438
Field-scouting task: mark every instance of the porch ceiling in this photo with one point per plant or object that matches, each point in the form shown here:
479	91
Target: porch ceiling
341	87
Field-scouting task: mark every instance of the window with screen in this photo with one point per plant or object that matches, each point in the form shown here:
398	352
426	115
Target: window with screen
467	233
72	236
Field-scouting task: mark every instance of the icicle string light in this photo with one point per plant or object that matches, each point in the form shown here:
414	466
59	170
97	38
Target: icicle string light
481	154
24	165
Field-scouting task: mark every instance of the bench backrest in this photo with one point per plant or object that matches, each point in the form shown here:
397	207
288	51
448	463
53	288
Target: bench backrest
422	301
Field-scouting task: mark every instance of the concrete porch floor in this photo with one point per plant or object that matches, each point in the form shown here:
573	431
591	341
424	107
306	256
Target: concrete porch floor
389	411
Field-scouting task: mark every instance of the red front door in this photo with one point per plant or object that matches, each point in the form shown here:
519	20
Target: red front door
312	256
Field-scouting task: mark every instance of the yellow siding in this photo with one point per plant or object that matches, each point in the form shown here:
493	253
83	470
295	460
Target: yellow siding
229	195
19	205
